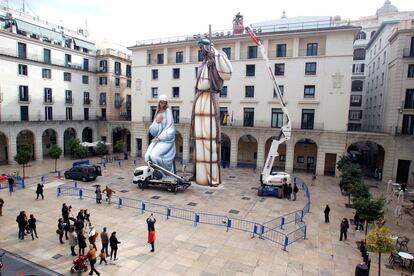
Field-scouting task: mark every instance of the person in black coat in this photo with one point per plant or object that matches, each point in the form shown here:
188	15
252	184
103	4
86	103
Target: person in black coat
10	180
295	191
22	224
61	227
326	212
344	229
32	226
113	243
285	188
289	191
81	243
39	191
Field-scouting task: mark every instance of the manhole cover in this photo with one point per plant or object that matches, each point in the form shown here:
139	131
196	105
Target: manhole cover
57	256
120	178
255	188
232	176
192	204
155	197
232	211
246	198
209	192
124	191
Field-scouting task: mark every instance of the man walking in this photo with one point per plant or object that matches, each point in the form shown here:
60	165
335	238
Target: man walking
326	212
105	240
344	229
295	191
10	180
39	191
22	223
289	191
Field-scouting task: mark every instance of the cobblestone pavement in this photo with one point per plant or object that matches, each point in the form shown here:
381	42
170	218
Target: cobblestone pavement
181	248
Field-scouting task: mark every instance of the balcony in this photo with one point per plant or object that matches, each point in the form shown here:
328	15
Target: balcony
49	101
87	101
68	101
408	52
25	100
304	52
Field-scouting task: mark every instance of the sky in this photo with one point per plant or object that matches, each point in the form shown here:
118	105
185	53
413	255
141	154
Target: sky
126	21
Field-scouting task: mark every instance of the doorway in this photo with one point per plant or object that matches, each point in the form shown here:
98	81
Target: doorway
403	170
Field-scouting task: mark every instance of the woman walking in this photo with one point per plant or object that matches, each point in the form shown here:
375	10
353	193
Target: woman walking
39	191
60	230
73	240
32	226
98	193
92	259
113	243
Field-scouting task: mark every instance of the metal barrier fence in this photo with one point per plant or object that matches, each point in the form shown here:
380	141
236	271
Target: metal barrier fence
270	230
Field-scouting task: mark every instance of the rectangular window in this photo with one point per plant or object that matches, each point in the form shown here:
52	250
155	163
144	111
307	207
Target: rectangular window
46	73
281	50
310	68
153	109
300	159
282	90
21	50
48	113
179	57
176	92
103	80
85	79
85	64
68	60
67	76
86	114
309	91
250	70
410	73
356	100
409	99
308	116
47	97
357	85
227	50
68	97
358	68
279	69
23	93
86	98
47	56
102	99
248	117
176	73
408	125
223	92
129	83
160	58
224	116
22	69
277	118
117	82
355	114
154	92
155	74
103	66
176	114
252	52
24	113
117	68
312	49
249	91
69	116
118	100
128	71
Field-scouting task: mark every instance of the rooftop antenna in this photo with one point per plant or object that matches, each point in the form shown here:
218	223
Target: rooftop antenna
283	14
24	10
86	28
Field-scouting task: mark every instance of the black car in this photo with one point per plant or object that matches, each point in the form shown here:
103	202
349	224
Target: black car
84	172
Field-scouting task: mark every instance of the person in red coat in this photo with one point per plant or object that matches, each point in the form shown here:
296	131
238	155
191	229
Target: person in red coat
151	239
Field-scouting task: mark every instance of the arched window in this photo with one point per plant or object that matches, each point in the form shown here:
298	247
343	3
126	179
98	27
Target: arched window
359	54
357	85
361	35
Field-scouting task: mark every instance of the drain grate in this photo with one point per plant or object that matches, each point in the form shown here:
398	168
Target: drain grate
57	256
192	204
233	211
209	192
124	191
120	178
156	197
246	198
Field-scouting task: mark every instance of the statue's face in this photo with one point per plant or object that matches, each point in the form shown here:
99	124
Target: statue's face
163	104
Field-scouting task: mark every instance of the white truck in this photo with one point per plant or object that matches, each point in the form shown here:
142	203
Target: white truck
154	175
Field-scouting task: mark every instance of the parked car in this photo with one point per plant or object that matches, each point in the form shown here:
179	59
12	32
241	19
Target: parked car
83	172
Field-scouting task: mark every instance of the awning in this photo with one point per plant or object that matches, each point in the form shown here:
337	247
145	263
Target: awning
37	30
84	44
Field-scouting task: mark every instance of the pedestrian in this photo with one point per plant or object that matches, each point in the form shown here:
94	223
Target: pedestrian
80	215
295	191
92	260
60	230
284	188
109	193
1	206
79	225
93	234
326	212
65	211
151	223
21	220
73	240
98	193
103	256
39	191
32	226
289	191
344	229
358	222
105	240
113	243
81	243
10	180
151	239
87	216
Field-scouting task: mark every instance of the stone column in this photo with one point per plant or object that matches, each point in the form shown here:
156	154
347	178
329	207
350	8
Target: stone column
338	156
260	154
12	147
38	146
60	140
389	162
186	146
290	155
320	163
233	150
133	152
109	139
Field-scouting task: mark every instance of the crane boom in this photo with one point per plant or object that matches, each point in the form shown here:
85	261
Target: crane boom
286	129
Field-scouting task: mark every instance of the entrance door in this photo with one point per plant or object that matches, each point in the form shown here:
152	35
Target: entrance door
139	147
403	170
330	163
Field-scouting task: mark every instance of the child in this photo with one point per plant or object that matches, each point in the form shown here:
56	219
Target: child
103	257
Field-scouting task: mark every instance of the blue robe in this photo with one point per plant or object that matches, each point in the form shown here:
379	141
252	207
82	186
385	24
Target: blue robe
162	152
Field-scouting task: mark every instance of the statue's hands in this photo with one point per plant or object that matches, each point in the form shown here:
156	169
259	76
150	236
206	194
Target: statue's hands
156	139
159	118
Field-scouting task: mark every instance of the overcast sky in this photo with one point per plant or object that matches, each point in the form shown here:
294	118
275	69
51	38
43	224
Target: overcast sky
126	21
